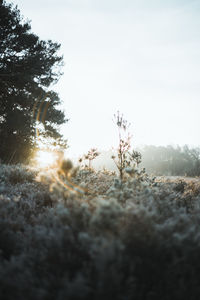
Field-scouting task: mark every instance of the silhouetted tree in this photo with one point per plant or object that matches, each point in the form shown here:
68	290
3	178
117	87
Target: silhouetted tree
28	68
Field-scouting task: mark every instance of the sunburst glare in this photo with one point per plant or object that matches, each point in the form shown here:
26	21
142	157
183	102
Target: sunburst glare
46	158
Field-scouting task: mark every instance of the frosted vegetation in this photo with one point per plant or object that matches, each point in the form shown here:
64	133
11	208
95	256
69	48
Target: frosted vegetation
73	233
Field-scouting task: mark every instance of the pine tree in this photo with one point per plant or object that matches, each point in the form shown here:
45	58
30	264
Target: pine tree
29	67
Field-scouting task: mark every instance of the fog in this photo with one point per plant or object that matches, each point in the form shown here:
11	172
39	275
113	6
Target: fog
139	57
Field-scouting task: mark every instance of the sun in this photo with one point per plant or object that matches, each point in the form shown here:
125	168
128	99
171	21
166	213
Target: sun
46	158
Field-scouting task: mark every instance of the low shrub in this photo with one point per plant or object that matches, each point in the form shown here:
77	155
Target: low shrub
136	240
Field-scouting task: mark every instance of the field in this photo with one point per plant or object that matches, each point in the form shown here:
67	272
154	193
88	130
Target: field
92	237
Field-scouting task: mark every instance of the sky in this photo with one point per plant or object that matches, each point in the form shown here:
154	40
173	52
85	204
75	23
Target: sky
140	57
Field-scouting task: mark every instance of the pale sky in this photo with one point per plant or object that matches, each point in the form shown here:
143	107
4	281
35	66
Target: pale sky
141	57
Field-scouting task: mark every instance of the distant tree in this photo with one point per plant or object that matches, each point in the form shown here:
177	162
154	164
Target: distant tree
28	68
170	160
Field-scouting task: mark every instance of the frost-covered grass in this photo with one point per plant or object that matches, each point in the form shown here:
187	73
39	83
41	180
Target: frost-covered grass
135	240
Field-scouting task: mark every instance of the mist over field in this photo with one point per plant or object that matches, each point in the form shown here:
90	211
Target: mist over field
159	160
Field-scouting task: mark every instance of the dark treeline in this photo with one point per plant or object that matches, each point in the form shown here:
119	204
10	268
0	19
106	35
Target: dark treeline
169	160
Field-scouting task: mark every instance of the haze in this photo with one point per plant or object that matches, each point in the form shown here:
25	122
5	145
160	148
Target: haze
139	57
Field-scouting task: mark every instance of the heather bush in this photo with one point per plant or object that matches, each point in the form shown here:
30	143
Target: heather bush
135	240
17	174
90	156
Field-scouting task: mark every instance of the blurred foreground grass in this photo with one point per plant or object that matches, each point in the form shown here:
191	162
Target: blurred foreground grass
138	239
